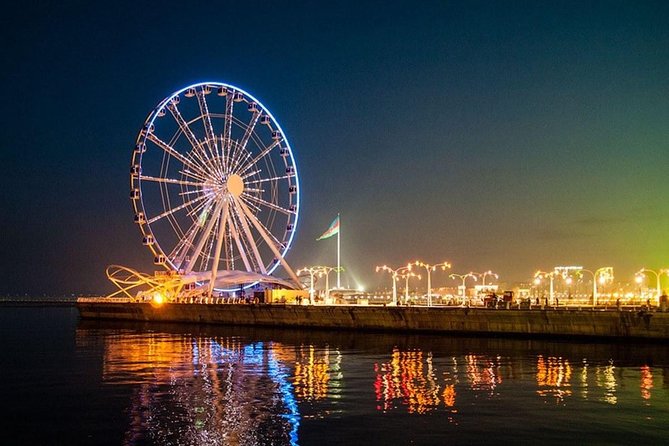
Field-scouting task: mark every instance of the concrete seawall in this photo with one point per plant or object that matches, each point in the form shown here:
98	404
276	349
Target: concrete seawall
611	324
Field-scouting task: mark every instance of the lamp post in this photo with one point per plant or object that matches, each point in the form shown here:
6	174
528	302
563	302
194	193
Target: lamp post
325	271
642	272
406	274
394	273
568	280
639	280
312	270
540	275
601	275
429	268
463	277
487	273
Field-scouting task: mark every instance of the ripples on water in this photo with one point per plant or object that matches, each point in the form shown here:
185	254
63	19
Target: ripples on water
133	384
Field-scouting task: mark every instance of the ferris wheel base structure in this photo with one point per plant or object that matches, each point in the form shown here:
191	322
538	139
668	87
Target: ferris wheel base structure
170	286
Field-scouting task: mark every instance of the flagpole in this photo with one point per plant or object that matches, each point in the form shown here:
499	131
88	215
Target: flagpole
338	252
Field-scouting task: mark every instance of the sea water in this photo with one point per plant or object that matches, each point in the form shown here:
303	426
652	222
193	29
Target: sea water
66	381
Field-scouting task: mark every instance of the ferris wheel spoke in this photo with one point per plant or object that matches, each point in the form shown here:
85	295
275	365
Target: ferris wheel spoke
186	241
173	153
261	155
237	156
208	128
202	159
264	234
204	206
253	206
192	175
250	174
227	129
183	125
206	253
267	204
180	251
249	129
198	207
173	181
241	147
249	236
265	180
190	192
177	209
224	154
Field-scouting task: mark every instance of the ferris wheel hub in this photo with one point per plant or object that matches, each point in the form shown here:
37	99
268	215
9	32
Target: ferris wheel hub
235	185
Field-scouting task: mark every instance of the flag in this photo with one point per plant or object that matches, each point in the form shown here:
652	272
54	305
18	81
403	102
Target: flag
332	230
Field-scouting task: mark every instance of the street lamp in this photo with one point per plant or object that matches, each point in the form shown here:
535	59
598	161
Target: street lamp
394	273
540	275
313	270
569	280
641	274
463	277
601	275
325	271
406	274
429	269
487	273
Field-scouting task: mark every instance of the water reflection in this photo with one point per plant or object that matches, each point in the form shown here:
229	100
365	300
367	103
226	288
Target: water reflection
606	379
553	376
312	372
248	387
408	378
195	390
646	382
483	372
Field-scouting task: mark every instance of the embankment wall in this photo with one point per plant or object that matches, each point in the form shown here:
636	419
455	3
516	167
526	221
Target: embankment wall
600	323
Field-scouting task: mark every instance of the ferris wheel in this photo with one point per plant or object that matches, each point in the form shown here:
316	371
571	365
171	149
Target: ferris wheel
214	186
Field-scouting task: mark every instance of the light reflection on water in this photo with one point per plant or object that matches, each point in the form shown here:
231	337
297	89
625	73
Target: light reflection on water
136	384
202	390
237	389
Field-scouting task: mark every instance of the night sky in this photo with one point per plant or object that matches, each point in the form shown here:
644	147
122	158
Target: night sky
511	136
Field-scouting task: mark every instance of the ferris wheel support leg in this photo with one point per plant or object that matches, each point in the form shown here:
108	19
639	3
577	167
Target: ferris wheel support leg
269	242
240	248
249	236
203	238
219	245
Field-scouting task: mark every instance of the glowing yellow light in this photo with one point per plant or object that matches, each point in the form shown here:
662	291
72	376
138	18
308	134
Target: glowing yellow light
158	298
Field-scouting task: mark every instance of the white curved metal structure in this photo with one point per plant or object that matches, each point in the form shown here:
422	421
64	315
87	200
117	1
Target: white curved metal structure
173	286
214	186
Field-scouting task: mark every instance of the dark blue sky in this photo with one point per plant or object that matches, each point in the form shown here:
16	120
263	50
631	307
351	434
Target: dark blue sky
498	135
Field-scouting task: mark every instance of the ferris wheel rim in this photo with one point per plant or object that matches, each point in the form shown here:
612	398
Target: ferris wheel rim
143	137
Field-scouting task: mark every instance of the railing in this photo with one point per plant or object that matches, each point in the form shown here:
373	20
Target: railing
100	299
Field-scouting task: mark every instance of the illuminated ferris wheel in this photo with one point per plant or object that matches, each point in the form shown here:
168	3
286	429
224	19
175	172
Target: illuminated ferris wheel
214	186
